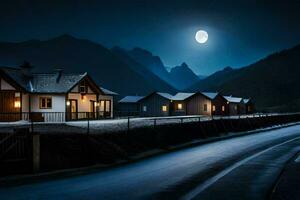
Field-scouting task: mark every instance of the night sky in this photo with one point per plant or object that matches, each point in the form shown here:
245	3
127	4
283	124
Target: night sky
240	32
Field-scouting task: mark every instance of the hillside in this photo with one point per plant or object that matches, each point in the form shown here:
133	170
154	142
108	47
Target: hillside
273	82
77	55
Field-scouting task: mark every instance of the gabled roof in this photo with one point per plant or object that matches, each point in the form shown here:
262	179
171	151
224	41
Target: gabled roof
48	82
232	99
245	101
108	92
165	95
210	95
180	96
131	99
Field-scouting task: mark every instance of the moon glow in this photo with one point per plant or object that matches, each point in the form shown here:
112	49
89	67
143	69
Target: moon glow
201	36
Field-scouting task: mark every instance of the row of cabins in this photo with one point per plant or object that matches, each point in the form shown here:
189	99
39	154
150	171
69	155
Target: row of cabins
51	96
199	103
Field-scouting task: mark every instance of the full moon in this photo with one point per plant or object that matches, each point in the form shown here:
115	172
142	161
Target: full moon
201	36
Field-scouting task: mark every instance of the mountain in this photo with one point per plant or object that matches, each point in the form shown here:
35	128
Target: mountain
78	55
143	71
183	76
155	65
273	82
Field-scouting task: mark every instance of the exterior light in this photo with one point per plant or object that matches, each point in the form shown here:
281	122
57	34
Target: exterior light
83	97
227	102
68	103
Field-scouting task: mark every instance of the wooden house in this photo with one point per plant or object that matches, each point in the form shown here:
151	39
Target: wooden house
220	106
51	96
235	105
178	103
129	106
200	103
248	106
156	104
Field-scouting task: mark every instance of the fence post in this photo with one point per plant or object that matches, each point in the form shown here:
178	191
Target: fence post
154	124
128	124
35	152
88	125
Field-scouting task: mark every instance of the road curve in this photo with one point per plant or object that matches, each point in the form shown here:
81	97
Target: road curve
173	175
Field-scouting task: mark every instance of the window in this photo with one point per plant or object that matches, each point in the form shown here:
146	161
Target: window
144	108
235	107
223	108
179	106
82	87
214	108
45	102
164	108
205	107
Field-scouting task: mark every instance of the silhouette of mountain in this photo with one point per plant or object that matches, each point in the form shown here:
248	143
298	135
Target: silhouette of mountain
183	76
79	55
272	82
156	66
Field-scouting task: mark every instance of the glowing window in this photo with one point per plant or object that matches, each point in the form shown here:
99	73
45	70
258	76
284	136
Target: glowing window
179	106
214	108
223	108
164	108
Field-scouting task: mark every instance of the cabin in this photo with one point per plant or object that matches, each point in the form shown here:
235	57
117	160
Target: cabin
235	105
178	103
220	106
199	103
129	106
51	96
156	104
248	106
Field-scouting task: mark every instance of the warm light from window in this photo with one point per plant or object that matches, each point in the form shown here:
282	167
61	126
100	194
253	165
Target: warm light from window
214	108
179	106
164	108
83	97
17	104
223	108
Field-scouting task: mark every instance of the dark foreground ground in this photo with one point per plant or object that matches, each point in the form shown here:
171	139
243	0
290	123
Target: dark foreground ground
258	166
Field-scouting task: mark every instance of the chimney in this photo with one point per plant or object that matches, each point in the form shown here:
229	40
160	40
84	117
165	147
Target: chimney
59	72
26	69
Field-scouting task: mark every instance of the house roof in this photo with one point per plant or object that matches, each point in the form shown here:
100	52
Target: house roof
180	96
232	99
108	92
210	95
165	95
47	82
245	101
131	99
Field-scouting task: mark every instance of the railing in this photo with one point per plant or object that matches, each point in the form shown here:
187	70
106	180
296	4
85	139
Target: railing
52	116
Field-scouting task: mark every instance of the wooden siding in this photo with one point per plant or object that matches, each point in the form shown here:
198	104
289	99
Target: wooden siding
154	105
8	112
195	105
219	102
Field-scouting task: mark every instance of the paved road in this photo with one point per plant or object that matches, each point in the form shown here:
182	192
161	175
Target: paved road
237	168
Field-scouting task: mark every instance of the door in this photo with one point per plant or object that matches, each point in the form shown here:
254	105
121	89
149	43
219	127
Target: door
72	110
92	114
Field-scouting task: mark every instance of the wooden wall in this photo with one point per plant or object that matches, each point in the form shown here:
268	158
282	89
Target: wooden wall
154	105
195	105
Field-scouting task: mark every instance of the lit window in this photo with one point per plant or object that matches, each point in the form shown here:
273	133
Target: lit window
235	107
223	108
205	107
144	108
45	102
17	103
179	106
214	108
164	108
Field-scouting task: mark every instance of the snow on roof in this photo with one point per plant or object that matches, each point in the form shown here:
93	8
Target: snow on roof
131	99
181	96
108	92
246	101
210	95
165	95
232	99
